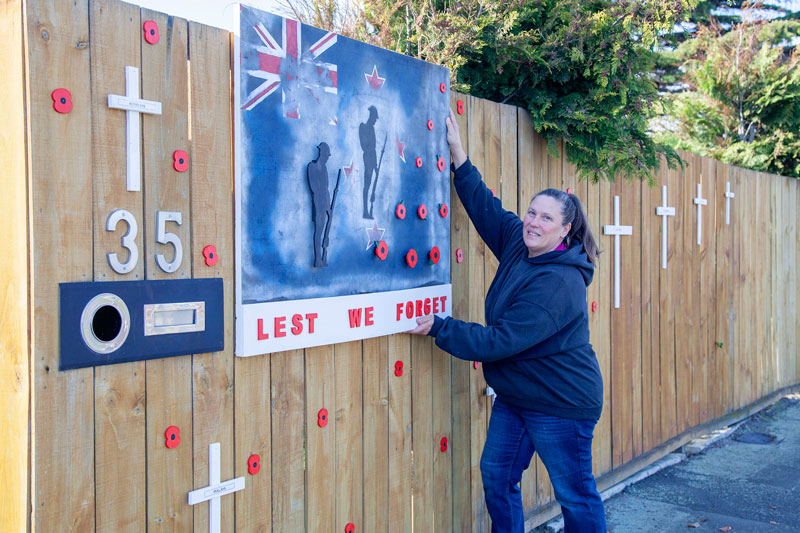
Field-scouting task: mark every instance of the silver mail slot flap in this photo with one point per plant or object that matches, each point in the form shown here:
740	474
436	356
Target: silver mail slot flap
183	317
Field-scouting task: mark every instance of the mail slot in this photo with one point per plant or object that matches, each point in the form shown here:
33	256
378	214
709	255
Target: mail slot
162	319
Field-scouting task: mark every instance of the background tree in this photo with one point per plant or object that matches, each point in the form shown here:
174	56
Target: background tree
742	104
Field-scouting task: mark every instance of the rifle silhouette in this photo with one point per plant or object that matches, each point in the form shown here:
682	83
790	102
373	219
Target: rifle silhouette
325	241
377	170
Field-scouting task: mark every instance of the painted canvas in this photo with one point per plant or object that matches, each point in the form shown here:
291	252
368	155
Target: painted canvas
342	167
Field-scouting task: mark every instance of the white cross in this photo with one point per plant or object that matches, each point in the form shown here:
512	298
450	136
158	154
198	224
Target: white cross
616	230
133	105
664	211
728	196
700	202
215	489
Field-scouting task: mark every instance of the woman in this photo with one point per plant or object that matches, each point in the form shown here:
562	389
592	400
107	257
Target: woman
535	348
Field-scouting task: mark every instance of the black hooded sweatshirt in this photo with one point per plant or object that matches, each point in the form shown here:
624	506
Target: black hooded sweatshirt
535	346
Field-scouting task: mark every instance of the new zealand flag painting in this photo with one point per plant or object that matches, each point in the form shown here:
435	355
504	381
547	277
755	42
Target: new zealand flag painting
342	165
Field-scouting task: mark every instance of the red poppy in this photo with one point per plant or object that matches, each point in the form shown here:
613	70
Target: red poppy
322	418
381	250
210	253
460	107
443	87
180	160
419	162
398	368
62	100
569	190
443	210
476	365
400	211
253	464
172	437
411	258
443	444
594	307
430	124
150	31
349	528
434	255
459	255
422	212
440	164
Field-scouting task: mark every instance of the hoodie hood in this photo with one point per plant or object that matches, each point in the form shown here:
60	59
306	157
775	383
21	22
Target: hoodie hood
575	256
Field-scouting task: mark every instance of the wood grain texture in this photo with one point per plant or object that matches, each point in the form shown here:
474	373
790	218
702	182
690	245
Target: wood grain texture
120	455
376	372
14	282
210	159
60	166
320	441
349	442
399	509
422	429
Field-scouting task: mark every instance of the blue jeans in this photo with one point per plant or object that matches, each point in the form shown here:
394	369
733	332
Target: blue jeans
565	448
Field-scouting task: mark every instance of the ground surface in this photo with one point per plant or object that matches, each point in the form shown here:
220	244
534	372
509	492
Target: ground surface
734	483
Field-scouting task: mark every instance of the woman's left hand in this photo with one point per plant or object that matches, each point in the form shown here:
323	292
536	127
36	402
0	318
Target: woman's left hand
424	325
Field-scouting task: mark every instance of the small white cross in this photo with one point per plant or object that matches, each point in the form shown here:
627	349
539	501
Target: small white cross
700	202
728	196
616	230
133	105
664	211
215	489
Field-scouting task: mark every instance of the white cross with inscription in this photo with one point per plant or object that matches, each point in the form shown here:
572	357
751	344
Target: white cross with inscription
616	230
215	489
700	203
728	196
664	211
133	105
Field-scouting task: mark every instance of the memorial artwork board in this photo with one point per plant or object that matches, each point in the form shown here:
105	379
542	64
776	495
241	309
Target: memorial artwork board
342	187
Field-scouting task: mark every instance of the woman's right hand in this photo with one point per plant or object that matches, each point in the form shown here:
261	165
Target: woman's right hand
454	140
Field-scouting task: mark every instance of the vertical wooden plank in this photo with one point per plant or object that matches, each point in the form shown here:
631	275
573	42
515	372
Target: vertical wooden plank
120	466
707	283
320	449
650	263
509	177
722	299
376	436
169	381
597	205
422	432
686	211
442	427
349	451
477	252
14	287
60	167
399	438
460	370
288	441
253	427
212	223
528	170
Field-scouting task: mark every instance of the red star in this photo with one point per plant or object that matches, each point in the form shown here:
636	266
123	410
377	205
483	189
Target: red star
349	170
375	81
401	149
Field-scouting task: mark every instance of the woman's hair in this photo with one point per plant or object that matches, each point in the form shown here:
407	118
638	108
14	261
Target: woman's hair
572	212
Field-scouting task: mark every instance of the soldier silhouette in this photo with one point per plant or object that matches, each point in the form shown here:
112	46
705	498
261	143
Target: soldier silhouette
366	134
317	173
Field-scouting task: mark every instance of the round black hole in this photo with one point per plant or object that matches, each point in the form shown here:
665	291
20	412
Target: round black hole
172	437
106	323
152	32
63	100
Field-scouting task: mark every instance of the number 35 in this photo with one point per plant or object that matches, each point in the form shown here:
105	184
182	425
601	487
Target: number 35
129	240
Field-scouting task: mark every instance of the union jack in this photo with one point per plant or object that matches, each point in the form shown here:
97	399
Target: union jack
283	64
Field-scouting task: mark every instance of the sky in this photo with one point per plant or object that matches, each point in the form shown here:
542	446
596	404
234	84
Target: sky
218	13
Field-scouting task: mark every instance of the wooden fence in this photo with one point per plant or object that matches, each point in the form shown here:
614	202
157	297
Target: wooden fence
713	333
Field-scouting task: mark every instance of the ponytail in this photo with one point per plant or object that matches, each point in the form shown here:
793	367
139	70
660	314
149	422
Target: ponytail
572	213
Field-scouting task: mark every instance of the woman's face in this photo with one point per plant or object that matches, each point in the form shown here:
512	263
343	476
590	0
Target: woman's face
542	228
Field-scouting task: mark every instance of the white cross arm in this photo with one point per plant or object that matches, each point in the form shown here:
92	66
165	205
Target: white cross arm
665	211
207	493
116	101
700	201
613	229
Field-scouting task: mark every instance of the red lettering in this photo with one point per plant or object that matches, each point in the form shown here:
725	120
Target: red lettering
435	305
368	321
297	324
355	317
280	325
261	334
399	311
310	317
427	306
409	309
443	299
419	308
